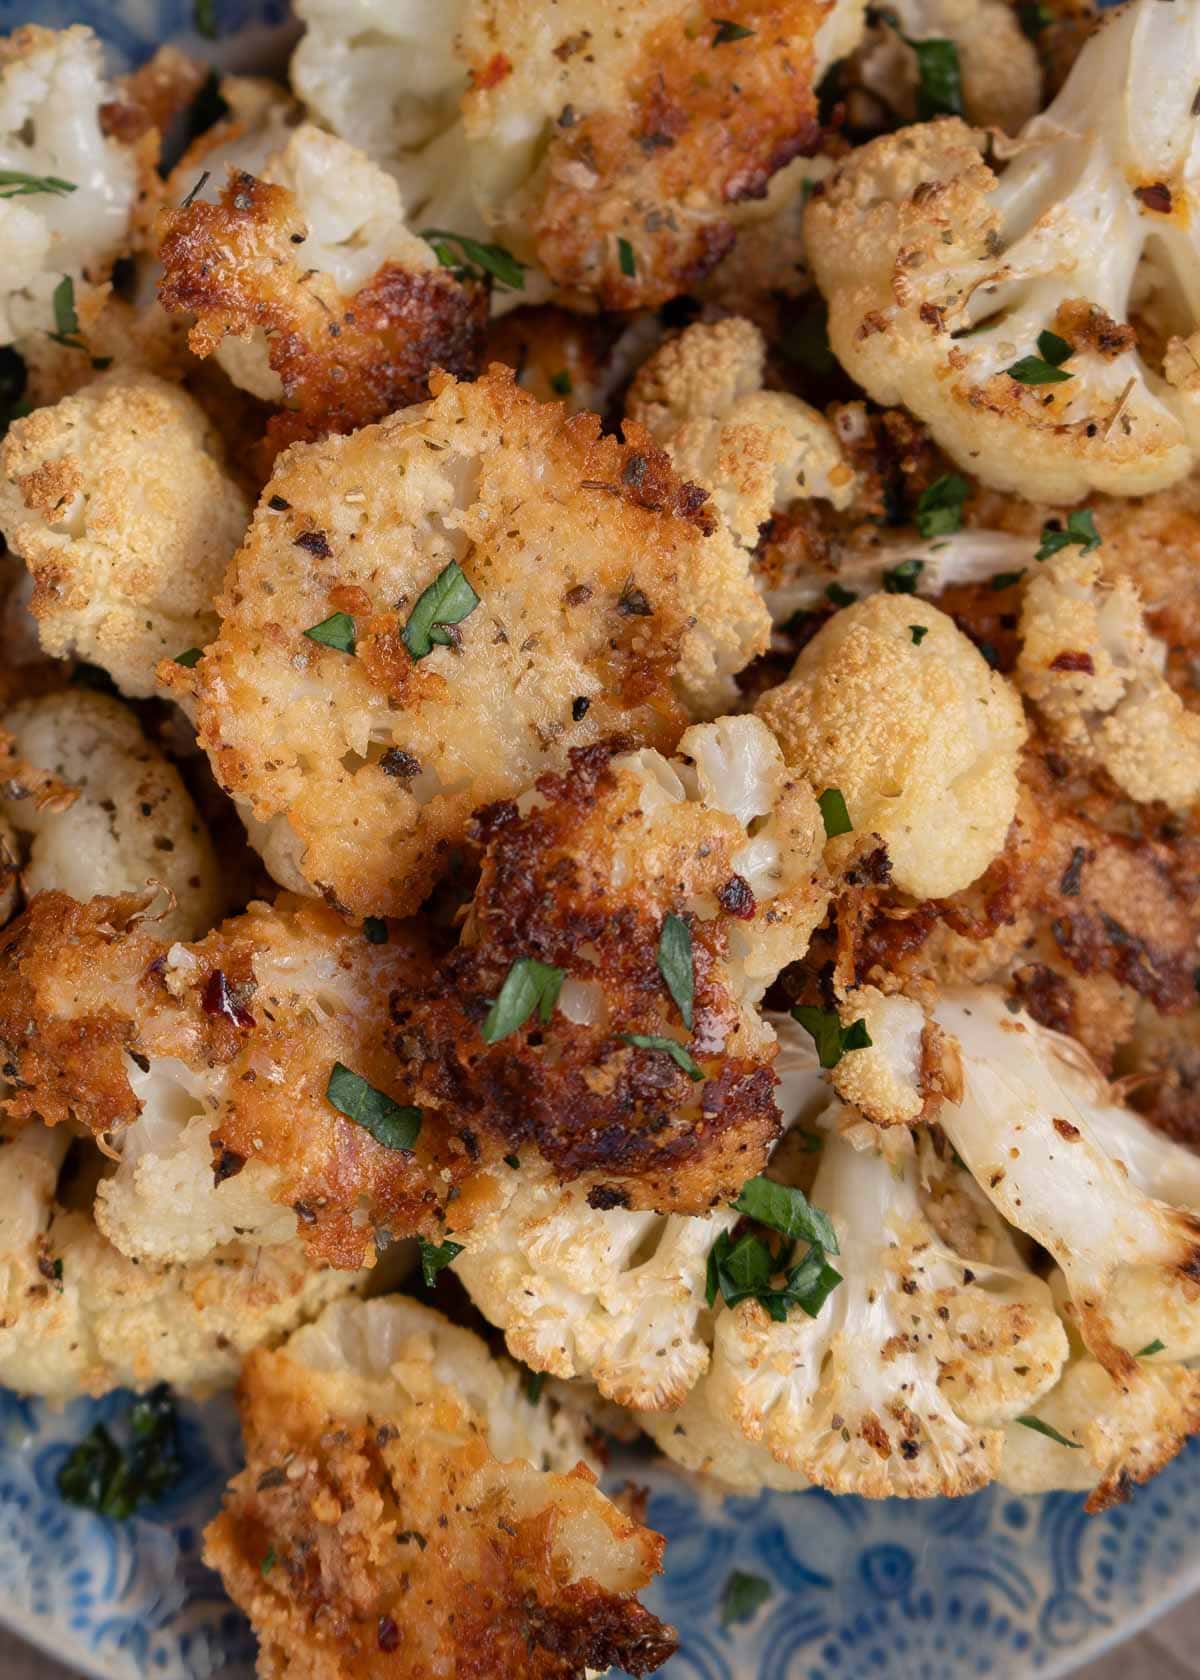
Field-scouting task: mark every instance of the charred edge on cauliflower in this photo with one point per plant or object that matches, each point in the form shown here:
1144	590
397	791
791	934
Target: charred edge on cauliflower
238	265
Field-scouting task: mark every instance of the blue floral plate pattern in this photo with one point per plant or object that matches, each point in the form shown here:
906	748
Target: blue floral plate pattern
942	1590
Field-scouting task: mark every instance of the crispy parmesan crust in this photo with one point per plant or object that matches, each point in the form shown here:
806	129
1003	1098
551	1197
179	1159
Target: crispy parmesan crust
403	1553
693	129
343	361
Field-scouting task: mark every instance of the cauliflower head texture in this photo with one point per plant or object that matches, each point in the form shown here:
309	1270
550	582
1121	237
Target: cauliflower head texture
1001	79
418	1474
582	589
891	704
997	306
119	502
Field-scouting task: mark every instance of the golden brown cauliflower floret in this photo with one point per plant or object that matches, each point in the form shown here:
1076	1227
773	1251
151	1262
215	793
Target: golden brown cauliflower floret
716	855
701	397
1095	672
996	306
79	1317
118	501
418	1530
605	601
132	822
891	704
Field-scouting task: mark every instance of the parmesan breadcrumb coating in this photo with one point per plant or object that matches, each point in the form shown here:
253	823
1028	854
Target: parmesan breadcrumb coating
132	822
921	738
607	601
701	397
397	1518
119	502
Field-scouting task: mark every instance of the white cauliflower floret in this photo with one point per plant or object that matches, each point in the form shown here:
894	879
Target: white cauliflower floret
891	704
701	1440
78	1317
998	64
882	1081
1119	1432
996	307
73	227
1114	1202
132	823
119	502
418	1474
701	397
902	1383
1093	669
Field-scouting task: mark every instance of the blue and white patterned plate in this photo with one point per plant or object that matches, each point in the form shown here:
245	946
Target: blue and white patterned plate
944	1590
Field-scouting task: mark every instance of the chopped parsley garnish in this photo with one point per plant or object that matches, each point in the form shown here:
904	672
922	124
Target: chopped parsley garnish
834	813
1005	580
448	600
1153	1347
940	507
742	1595
268	1562
743	1270
831	1038
375	930
626	258
839	596
902	579
513	1161
389	1123
533	1384
336	631
668	1046
939	85
189	658
14	183
528	985
1046	367
476	259
436	1256
102	1475
1080	528
675	964
560	383
66	321
204	18
918	632
727	31
786	1210
1049	1432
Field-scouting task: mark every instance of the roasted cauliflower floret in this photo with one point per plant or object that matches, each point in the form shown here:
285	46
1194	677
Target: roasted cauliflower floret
490	584
1096	673
416	1475
999	73
119	502
1106	1435
902	1383
320	238
701	397
657	900
79	1317
891	704
75	217
132	821
996	307
1062	1160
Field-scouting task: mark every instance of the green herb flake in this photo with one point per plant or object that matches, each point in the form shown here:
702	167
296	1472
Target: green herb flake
742	1271
1049	1432
918	632
1080	529
626	258
902	579
532	1385
1005	580
742	1595
189	658
528	985
448	600
204	18
336	631
787	1210
839	596
834	813
389	1123
1046	367
939	86
15	183
727	31
66	321
476	259
375	930
1151	1348
560	383
811	1143
940	507
513	1161
268	1563
828	1034
435	1257
1034	18
668	1046
676	966
100	1474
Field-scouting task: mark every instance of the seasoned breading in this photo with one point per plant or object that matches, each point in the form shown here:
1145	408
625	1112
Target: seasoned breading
607	601
393	1521
119	502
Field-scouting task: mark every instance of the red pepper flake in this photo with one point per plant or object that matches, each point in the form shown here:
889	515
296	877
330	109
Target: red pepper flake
1157	196
218	999
1073	661
494	71
736	897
